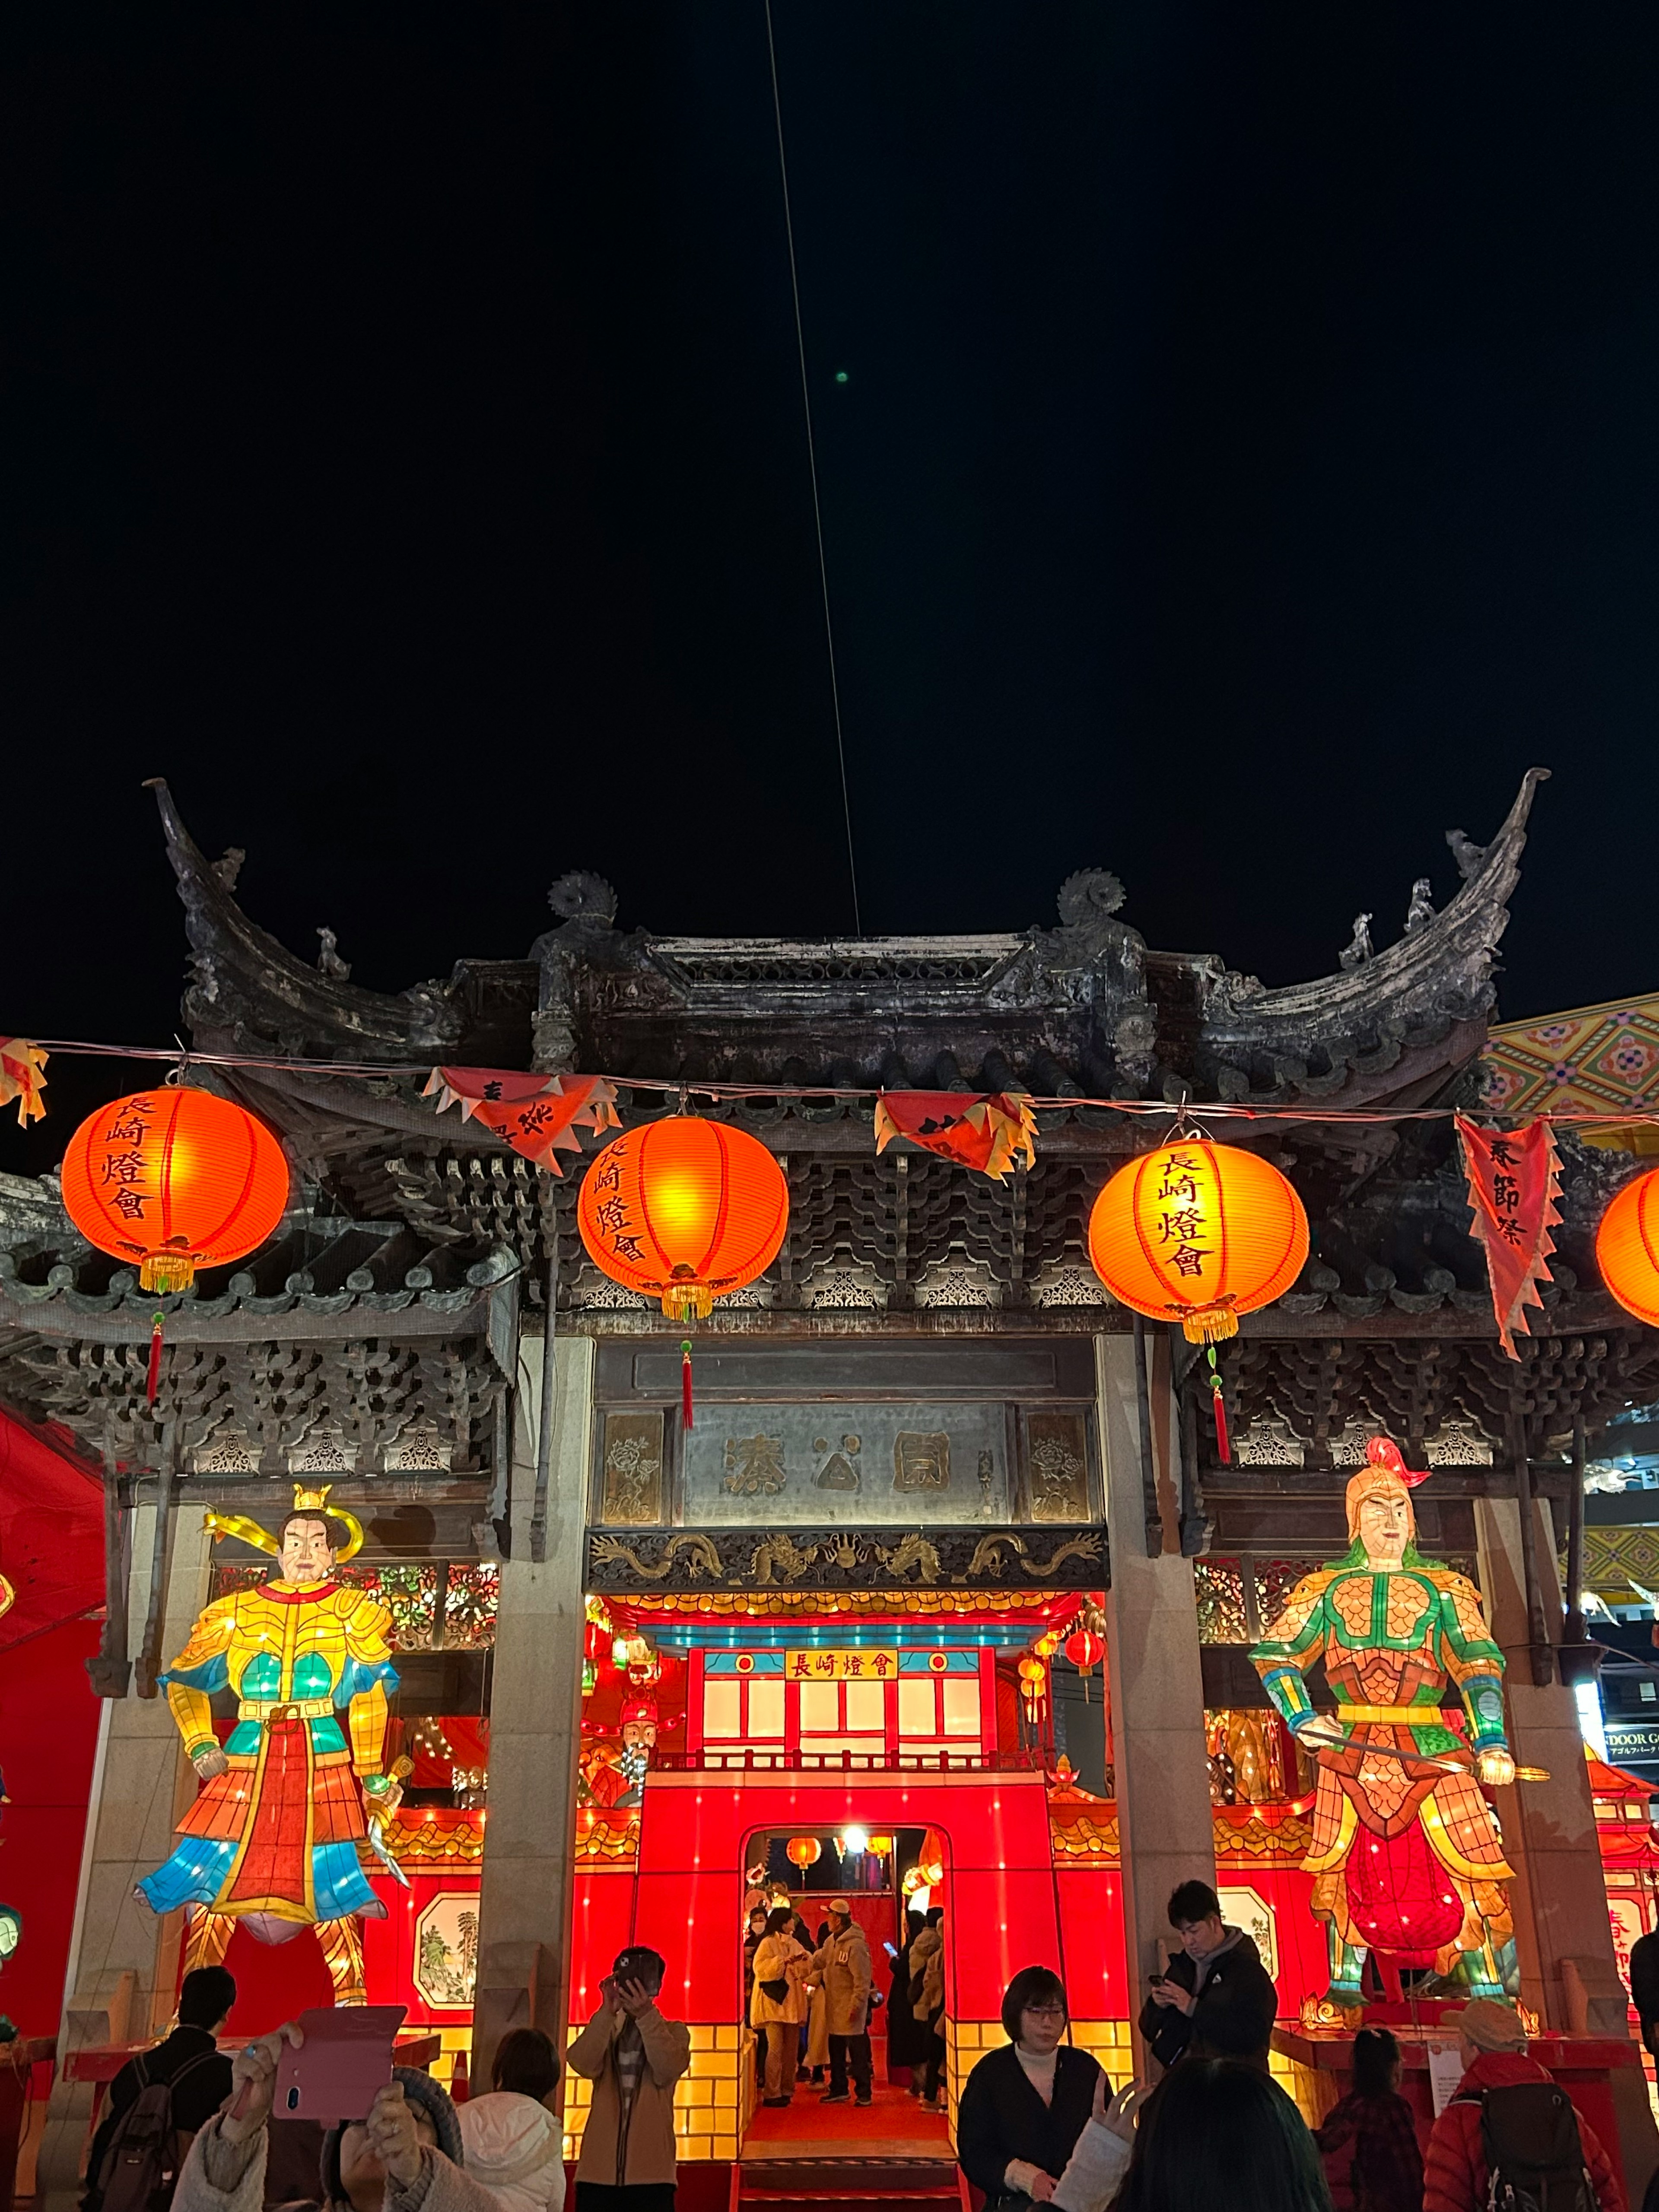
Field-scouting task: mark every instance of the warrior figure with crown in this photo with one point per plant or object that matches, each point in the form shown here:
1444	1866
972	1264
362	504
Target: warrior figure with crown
1406	1855
276	1838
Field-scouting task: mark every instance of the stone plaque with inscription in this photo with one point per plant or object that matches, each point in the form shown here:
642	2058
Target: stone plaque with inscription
848	1464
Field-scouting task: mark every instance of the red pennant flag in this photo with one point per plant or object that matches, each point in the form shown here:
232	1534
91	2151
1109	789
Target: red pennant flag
1514	1178
537	1115
23	1077
985	1131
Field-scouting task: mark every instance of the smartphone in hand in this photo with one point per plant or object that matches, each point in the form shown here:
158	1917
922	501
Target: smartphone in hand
346	2057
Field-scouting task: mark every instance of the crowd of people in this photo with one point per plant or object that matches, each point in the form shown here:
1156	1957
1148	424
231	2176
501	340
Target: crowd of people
1037	2123
809	1997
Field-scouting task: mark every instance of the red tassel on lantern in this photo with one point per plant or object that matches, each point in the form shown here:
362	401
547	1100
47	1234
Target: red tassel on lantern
1218	1406
153	1380
685	1382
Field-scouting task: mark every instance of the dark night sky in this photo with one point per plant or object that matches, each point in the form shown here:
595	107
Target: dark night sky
1246	468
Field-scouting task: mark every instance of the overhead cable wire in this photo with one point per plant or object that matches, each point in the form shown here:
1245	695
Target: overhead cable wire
1146	1108
812	469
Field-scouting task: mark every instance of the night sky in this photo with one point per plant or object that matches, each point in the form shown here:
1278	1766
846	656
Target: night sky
1245	467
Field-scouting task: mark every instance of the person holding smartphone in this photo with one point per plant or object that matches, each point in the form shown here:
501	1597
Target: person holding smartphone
633	2056
1216	2000
405	2156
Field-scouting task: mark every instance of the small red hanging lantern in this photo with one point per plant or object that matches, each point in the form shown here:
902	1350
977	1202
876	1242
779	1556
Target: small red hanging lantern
176	1179
684	1209
805	1851
1084	1650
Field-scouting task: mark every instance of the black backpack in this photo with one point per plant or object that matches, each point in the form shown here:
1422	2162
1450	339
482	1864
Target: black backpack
1534	2154
139	2169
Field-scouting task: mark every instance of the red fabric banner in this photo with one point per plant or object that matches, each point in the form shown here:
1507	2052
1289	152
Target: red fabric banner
1514	1181
23	1077
985	1130
538	1115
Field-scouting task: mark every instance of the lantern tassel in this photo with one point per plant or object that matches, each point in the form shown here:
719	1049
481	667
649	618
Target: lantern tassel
685	1382
1218	1404
153	1379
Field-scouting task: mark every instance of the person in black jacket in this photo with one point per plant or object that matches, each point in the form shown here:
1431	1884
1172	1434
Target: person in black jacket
1645	1986
1023	2108
1217	1999
189	2058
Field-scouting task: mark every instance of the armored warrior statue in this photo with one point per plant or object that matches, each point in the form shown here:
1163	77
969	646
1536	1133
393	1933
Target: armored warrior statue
1406	1853
277	1837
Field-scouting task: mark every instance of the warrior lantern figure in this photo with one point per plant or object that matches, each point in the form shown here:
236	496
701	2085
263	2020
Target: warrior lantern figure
1406	1856
277	1837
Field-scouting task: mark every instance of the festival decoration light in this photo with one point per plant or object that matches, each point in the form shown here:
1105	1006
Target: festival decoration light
176	1179
1084	1650
682	1211
805	1851
1033	1684
1199	1233
1627	1247
855	1840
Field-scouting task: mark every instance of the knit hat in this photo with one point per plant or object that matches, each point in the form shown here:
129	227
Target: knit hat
1488	2025
424	2095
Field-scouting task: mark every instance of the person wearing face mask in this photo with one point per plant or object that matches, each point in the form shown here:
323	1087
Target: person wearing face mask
1215	1999
405	2156
1023	2108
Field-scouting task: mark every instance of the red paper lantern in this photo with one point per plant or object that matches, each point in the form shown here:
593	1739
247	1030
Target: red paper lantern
176	1179
1199	1233
1627	1247
1084	1650
805	1851
684	1209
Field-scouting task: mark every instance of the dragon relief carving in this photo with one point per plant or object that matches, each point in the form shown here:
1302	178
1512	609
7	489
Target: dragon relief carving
988	1555
911	1552
701	1557
779	1551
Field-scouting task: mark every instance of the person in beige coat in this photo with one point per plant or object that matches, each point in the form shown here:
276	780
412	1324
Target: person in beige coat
633	2056
842	1963
778	2005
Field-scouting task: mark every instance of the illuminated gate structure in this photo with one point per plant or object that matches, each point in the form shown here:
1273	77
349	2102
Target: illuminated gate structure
924	1439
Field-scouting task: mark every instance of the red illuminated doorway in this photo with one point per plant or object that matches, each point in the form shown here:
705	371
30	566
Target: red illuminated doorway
868	1881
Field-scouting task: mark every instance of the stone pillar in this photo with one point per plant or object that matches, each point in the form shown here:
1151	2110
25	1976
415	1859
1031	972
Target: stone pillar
124	1962
534	1721
1156	1679
1563	1939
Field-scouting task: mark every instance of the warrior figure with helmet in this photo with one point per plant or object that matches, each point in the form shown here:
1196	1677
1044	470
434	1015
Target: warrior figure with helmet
276	1836
1406	1854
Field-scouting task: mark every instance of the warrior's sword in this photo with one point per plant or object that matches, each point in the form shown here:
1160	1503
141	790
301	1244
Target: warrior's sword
1446	1765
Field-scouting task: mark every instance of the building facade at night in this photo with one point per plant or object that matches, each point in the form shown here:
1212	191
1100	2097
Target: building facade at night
636	1660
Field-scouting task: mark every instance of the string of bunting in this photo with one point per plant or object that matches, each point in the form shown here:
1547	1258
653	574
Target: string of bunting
1034	1103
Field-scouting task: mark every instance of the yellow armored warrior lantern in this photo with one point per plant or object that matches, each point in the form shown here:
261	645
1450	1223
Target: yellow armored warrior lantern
295	1800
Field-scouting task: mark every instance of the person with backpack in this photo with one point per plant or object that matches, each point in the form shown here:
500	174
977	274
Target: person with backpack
1369	2141
159	2101
927	2002
1509	2134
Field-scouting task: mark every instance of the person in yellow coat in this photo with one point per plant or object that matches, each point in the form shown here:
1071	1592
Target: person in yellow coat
273	1838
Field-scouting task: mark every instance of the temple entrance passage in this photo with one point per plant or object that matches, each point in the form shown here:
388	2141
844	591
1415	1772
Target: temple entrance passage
846	1889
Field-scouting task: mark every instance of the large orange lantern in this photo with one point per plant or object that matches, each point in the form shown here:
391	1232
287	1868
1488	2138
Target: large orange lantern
176	1179
805	1851
1199	1233
1627	1247
684	1209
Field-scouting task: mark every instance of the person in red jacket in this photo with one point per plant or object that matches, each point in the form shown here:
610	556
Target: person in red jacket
1494	2050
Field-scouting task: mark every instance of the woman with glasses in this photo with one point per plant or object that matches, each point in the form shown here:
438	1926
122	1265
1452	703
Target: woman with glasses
1023	2108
